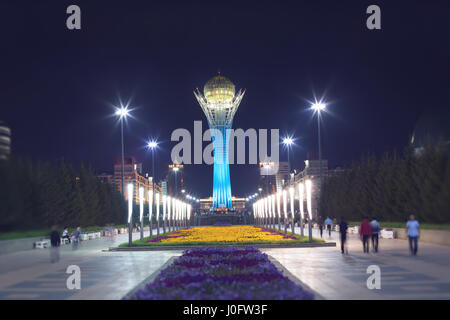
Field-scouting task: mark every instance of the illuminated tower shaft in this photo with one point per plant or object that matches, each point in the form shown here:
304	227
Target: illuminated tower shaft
219	103
221	179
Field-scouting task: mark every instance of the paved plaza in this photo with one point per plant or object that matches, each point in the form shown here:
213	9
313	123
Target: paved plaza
110	275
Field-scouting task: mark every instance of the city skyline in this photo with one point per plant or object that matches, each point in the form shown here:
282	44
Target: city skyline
280	60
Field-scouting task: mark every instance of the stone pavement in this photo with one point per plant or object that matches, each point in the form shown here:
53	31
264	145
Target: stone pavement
104	275
110	275
337	276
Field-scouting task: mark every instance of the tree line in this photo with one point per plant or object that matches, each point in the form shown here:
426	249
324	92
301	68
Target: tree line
392	187
39	194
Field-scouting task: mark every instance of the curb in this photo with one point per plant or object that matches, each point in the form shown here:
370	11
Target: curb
260	246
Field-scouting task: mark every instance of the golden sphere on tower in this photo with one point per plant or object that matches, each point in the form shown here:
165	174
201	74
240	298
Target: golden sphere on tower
219	90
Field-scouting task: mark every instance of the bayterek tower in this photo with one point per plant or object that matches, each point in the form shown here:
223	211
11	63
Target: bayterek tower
220	102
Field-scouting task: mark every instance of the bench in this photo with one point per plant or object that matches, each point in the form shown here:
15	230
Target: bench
42	244
386	234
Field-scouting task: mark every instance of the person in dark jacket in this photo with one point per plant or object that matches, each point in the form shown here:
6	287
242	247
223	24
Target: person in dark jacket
55	241
365	232
343	226
375	228
320	223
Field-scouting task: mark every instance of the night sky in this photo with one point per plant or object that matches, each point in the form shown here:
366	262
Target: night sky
57	86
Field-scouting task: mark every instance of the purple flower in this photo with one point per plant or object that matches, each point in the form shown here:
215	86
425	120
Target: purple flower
222	273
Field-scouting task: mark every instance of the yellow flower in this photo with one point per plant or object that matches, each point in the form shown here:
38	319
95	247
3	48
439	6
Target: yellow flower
225	234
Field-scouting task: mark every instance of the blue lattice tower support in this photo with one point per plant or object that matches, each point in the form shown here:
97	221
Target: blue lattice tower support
220	102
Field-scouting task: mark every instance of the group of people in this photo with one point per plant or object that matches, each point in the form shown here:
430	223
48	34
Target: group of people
369	232
55	241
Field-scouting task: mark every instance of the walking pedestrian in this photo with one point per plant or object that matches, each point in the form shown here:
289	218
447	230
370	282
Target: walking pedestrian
328	222
320	223
76	238
412	227
365	232
343	226
375	228
55	242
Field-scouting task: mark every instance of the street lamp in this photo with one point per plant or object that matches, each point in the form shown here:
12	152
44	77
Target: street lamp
285	210
141	210
288	141
291	196
175	171
301	190
152	145
318	107
309	206
130	214
122	113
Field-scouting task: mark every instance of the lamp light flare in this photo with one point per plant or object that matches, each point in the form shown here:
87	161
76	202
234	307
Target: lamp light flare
157	206
308	197
152	144
141	203
150	205
285	203
122	112
318	106
130	201
279	194
301	191
291	194
288	141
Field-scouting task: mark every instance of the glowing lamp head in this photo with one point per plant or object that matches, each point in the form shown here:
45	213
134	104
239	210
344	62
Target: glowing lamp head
175	169
288	141
318	106
152	144
122	112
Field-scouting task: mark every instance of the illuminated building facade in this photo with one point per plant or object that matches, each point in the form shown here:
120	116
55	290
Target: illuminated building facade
132	174
220	102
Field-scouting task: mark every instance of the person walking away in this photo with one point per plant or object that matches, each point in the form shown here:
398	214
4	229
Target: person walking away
55	242
76	238
328	222
65	234
343	226
375	228
320	223
412	227
365	232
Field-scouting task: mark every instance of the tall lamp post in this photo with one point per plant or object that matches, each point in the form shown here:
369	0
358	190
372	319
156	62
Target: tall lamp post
288	141
122	113
152	145
175	170
318	107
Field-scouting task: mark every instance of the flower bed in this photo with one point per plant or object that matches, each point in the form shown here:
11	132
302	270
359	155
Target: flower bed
222	273
221	235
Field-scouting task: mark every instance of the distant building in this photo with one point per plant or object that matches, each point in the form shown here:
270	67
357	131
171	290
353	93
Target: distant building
272	180
207	203
132	174
5	141
311	172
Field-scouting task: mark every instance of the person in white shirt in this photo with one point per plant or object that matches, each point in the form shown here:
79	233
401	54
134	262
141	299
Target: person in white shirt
412	227
65	234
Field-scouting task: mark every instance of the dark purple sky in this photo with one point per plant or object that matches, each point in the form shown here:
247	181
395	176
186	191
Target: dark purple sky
57	85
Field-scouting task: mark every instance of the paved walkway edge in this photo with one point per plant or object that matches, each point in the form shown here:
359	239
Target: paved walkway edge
261	246
293	278
148	279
